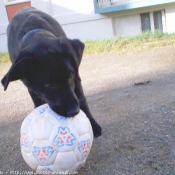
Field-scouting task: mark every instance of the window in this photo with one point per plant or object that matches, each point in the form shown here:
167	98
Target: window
158	20
145	21
152	21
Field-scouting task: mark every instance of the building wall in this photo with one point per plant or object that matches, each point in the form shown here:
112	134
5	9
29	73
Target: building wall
3	27
96	29
128	25
78	21
3	42
170	19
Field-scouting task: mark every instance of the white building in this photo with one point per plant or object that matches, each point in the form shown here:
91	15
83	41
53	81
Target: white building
98	19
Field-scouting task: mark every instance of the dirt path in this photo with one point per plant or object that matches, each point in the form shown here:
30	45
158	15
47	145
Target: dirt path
138	120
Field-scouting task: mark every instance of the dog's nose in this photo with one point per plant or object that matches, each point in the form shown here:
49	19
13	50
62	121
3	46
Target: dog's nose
70	112
73	112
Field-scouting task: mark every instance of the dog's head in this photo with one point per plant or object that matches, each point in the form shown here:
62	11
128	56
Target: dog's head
49	67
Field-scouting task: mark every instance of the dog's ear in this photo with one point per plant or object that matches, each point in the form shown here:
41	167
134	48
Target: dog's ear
68	46
17	71
78	46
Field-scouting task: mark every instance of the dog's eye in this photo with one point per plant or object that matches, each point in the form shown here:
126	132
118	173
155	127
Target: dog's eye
71	76
48	85
71	79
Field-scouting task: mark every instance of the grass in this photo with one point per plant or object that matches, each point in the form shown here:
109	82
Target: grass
4	57
121	44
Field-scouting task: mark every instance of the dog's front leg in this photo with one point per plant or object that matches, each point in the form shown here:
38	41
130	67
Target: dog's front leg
84	106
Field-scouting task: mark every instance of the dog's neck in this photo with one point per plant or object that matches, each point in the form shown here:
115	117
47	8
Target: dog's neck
30	32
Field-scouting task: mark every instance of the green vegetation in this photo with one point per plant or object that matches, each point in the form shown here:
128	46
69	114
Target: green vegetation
121	44
4	57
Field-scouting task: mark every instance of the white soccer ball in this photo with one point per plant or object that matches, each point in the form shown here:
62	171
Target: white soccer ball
53	143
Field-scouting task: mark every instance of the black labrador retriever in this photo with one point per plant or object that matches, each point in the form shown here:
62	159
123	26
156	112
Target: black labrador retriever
47	62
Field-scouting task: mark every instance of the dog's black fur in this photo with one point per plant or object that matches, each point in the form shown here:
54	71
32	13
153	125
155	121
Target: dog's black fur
47	62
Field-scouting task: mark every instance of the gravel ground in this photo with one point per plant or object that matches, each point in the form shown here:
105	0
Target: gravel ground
131	95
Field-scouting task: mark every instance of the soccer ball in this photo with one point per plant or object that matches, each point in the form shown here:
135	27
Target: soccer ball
53	143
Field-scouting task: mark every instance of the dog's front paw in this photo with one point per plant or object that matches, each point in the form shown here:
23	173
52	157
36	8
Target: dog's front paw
97	130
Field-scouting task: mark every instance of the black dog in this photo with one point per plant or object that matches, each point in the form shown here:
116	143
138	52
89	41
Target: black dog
47	62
